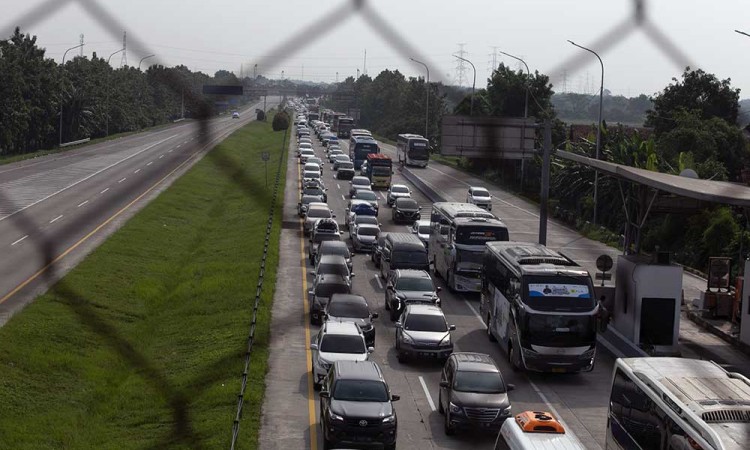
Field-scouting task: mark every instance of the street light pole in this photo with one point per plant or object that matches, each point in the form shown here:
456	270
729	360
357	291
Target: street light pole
598	129
427	98
528	79
106	113
61	94
473	84
742	32
145	57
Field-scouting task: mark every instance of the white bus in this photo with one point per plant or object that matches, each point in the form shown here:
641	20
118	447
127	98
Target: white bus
458	232
413	150
540	306
677	404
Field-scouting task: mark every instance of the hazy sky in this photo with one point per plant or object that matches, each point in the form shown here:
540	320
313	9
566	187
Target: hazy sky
331	37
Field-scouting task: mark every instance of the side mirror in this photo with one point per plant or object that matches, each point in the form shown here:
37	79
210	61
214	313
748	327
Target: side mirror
395	398
325	394
438	289
444	384
351	275
397	324
374	315
313	346
451	328
333	216
389	286
311	272
370	349
511	387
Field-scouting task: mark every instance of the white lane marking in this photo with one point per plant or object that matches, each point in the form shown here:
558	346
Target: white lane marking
120	181
104	191
338	185
82	203
382	194
342	197
170	150
87	177
149	163
377	279
56	219
137	170
179	146
19	240
161	156
427	393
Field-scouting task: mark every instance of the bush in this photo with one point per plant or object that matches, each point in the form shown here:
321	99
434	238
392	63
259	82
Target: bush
260	116
280	121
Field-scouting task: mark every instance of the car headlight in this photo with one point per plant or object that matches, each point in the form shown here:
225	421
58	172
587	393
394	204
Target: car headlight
389	419
506	411
401	297
406	338
454	408
335	417
446	340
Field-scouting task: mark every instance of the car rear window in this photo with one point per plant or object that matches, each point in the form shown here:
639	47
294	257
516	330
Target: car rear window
342	343
425	322
348	309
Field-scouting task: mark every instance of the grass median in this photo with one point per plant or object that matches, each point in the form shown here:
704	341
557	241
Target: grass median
142	344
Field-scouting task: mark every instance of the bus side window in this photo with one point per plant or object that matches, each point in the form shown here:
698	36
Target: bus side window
635	414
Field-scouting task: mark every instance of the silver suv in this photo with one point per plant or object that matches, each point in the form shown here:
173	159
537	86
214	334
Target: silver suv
423	332
336	341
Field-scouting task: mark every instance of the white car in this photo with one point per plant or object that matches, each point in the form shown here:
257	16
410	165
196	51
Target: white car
422	229
310	175
311	166
337	341
397	191
479	196
306	153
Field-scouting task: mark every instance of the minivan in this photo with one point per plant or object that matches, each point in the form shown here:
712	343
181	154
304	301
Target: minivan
402	251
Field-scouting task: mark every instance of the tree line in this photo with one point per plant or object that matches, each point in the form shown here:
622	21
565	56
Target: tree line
95	100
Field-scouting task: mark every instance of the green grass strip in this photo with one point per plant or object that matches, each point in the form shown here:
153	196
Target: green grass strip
141	345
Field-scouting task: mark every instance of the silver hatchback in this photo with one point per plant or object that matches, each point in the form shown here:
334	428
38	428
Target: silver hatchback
423	332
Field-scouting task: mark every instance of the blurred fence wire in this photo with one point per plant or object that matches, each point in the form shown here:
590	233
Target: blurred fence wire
179	399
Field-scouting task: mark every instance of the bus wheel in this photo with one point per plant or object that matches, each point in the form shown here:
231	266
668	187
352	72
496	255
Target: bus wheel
490	336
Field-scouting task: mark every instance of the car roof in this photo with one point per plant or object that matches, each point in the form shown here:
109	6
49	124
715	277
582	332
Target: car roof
422	222
349	298
408	200
330	278
413	273
478	187
361	178
358	370
362	226
325	244
400	186
341	327
424	309
475	362
355	201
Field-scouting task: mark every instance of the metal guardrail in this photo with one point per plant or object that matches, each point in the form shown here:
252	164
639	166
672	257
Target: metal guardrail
72	143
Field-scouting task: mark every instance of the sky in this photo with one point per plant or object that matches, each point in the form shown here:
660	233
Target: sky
326	40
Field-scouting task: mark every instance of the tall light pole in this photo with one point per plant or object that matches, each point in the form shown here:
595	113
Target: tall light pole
106	130
473	84
145	57
427	98
61	94
598	129
742	32
528	80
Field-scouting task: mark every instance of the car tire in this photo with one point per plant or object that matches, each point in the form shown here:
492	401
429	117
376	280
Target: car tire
400	357
449	430
512	357
389	447
441	410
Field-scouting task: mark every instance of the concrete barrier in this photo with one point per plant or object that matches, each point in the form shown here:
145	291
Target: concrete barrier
72	143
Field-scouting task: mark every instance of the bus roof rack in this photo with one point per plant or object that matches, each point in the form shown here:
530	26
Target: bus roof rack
539	422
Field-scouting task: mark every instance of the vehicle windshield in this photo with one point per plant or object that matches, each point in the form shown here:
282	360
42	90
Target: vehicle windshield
425	229
409	257
360	181
418	150
406	203
360	391
319	213
364	194
400	190
481	193
415	284
322	237
315	160
425	322
313	191
368	231
310	174
333	269
309	199
558	293
553	330
466	256
328	289
342	343
348	309
342	158
479	382
478	234
381	171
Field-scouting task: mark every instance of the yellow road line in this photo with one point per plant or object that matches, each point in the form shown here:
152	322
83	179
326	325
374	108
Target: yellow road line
95	230
308	353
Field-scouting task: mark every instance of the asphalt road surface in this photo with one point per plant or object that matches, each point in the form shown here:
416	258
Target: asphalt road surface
55	209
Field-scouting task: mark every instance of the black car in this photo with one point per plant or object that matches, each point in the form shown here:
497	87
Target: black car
406	210
352	308
356	407
473	393
323	288
345	171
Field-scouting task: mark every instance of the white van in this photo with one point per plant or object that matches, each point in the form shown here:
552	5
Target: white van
535	430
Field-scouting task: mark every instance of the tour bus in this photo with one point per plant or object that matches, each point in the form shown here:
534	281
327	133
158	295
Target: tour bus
413	150
357	132
540	306
312	115
359	148
677	404
344	127
458	232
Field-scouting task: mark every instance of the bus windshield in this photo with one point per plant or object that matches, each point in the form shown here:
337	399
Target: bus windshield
558	293
418	150
478	235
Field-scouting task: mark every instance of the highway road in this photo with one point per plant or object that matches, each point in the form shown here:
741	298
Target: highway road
55	209
290	411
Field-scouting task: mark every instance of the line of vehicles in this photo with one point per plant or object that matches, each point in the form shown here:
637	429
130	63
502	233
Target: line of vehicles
537	304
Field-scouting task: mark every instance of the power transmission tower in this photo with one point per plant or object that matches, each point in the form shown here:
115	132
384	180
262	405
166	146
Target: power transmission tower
492	62
460	69
81	42
364	66
124	61
565	81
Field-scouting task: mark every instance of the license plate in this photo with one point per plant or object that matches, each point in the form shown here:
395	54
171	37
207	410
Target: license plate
558	370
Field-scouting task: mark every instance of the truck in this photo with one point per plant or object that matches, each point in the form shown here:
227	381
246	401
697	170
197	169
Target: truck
379	170
344	127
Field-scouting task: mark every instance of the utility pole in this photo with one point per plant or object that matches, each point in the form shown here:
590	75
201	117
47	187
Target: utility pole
473	85
81	45
108	87
255	71
124	60
544	195
364	65
61	94
427	98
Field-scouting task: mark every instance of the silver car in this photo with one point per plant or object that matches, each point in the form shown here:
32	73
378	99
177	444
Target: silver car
423	332
316	211
397	191
364	236
422	229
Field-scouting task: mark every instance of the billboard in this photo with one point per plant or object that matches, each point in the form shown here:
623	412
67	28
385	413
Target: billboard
487	137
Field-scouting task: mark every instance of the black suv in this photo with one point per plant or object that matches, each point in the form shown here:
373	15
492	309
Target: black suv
405	210
352	308
323	288
356	406
473	393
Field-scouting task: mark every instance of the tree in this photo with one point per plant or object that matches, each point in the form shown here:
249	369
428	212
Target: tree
698	91
506	93
280	121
